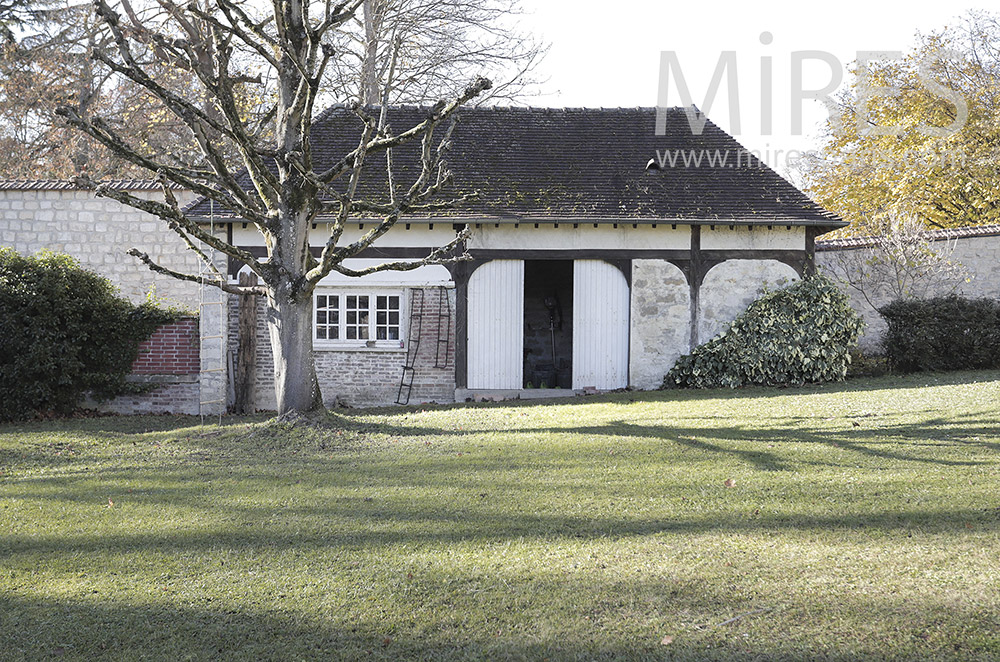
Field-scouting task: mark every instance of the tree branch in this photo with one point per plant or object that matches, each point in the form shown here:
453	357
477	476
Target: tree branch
201	280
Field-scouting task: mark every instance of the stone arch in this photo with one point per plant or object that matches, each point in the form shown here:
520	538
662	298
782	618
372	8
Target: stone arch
729	287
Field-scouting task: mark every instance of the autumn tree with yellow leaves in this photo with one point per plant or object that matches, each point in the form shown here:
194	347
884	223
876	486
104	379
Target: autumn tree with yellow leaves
917	135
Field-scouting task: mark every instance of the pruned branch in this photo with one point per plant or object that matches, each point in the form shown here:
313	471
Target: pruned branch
171	214
218	282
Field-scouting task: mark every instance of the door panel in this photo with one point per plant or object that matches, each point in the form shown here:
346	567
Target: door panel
496	325
600	325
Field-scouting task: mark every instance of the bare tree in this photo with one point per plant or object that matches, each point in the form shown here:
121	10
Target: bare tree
282	191
899	262
416	51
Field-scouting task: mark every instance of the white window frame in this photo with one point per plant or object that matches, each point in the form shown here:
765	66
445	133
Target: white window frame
371	343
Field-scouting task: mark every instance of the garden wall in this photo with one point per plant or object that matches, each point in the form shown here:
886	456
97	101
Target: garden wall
58	216
975	248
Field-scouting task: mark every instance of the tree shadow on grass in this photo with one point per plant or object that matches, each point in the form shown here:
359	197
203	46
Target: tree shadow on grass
590	617
938	432
360	524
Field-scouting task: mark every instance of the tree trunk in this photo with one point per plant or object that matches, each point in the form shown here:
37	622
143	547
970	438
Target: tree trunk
246	360
290	325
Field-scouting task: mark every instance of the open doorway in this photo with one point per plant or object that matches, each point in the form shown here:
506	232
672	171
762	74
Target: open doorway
548	324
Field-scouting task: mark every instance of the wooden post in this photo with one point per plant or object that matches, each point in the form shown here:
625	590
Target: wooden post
246	359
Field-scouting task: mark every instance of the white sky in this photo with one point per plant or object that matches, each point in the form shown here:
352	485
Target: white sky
607	54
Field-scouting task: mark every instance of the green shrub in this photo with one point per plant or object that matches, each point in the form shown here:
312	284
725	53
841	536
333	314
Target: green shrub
943	333
798	334
865	364
65	333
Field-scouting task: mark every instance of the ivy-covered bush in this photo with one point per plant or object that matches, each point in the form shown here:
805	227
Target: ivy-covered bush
65	333
801	333
943	333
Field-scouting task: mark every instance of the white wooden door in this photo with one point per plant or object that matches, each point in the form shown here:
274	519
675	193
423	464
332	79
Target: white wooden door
600	325
495	330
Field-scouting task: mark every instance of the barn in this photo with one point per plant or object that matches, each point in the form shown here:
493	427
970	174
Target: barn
603	244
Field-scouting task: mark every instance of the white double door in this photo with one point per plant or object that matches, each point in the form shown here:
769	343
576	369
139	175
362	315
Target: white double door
495	326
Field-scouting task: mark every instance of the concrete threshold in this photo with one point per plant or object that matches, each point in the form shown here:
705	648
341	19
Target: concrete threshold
498	395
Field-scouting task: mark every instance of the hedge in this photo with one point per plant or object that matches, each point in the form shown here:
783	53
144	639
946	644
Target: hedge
942	333
66	333
801	333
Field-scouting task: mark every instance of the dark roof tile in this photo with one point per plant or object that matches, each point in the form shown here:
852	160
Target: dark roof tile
580	163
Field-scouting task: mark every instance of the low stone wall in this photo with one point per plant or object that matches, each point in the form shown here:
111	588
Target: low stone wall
168	394
977	249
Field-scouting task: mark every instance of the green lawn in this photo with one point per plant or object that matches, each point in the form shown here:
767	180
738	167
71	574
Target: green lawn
846	522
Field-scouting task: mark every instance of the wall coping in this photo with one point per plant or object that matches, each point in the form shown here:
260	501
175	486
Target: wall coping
945	234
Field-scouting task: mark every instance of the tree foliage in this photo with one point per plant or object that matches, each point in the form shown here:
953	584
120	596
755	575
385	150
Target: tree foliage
53	60
918	136
66	333
799	334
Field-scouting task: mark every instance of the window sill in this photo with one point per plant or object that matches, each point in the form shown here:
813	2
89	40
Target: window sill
319	346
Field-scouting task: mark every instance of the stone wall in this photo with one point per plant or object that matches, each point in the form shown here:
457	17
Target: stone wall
98	232
729	287
169	394
366	377
977	249
660	321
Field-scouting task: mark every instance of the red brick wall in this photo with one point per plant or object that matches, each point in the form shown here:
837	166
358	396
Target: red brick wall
172	350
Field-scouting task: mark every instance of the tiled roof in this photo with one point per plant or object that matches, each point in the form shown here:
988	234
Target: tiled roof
69	185
579	163
929	235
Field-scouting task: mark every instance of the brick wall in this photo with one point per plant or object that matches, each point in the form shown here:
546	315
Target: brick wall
171	350
168	365
364	377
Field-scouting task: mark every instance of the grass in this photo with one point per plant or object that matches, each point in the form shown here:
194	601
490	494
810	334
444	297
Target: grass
859	521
